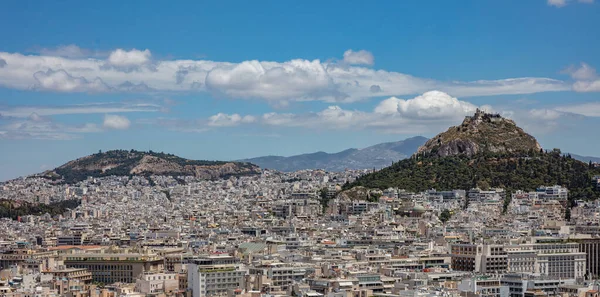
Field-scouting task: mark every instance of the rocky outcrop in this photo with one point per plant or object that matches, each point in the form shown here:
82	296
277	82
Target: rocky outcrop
482	132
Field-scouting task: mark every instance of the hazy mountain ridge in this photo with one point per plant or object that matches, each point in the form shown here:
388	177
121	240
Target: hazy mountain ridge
376	156
126	163
585	158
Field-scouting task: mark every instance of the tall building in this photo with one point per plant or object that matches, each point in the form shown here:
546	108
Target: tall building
545	256
559	259
215	276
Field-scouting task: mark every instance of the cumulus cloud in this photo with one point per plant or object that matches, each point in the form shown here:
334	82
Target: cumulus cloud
433	104
583	72
116	122
2	63
62	81
428	112
299	79
226	120
586	78
134	57
276	82
361	57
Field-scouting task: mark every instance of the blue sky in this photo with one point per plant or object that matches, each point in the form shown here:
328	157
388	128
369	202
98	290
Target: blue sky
237	79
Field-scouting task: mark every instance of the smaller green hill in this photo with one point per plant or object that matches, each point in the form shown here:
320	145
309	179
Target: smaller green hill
128	163
511	171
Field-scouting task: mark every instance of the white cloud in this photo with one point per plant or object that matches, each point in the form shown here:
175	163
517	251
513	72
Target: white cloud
134	57
117	122
587	86
429	112
434	104
225	120
38	127
591	109
388	106
557	3
91	108
61	81
545	114
562	3
300	79
276	82
586	78
361	57
34	117
583	72
71	51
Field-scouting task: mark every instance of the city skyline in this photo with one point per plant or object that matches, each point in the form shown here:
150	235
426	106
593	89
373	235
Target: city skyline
239	80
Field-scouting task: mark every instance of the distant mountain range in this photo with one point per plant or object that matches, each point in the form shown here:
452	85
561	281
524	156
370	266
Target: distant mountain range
586	158
376	156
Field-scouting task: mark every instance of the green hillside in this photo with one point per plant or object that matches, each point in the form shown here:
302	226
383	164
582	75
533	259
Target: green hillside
512	171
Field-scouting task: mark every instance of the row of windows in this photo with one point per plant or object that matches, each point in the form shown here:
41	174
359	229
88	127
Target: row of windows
221	280
160	277
102	267
110	280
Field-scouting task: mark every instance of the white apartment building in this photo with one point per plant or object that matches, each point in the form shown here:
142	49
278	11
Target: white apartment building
149	283
483	287
519	283
480	195
545	256
559	259
284	275
553	192
215	280
520	259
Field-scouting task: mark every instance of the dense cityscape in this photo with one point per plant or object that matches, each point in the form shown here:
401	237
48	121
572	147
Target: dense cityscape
234	148
295	234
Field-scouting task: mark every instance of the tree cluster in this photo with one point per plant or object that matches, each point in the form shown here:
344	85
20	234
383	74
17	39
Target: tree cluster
8	210
511	171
